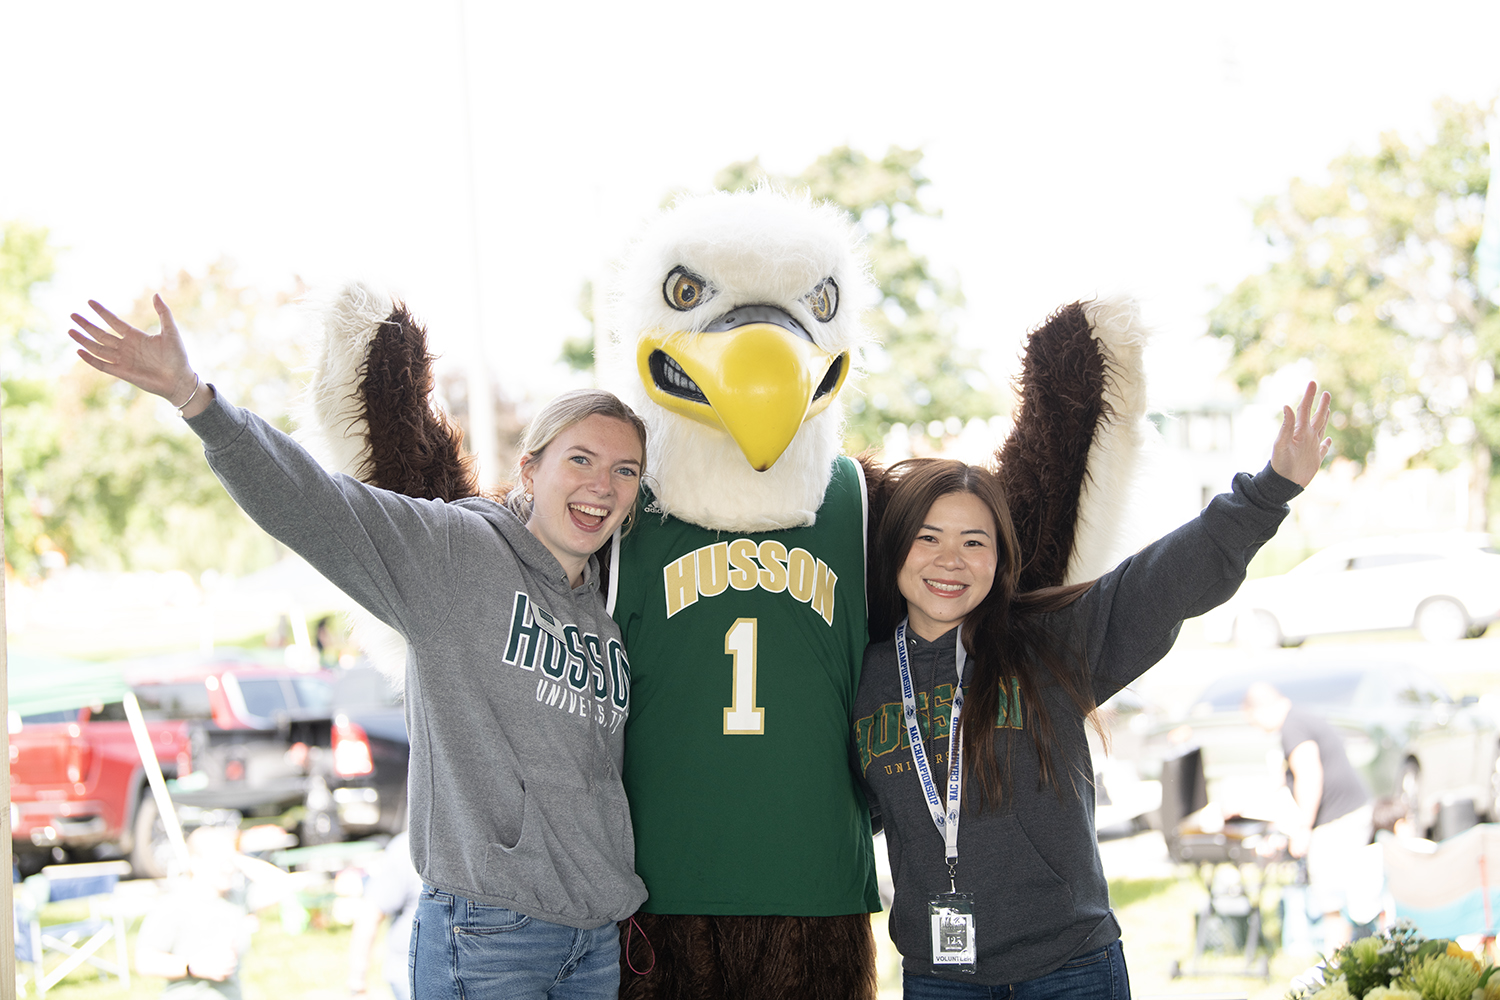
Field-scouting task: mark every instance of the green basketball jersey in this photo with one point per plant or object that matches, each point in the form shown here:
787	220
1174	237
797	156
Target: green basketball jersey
745	651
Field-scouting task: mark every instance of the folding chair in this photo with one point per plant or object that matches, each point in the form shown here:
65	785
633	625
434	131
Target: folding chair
1447	889
77	942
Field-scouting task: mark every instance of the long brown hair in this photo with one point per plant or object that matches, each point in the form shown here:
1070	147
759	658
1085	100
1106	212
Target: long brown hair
1003	634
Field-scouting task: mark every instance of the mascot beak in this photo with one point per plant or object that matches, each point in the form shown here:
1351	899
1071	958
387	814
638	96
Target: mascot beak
754	373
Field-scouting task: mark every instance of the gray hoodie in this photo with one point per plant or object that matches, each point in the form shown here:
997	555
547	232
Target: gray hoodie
517	685
1040	896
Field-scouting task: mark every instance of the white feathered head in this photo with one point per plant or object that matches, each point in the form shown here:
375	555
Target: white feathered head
735	325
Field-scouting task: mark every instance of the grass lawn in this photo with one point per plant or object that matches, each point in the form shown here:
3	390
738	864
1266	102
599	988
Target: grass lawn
1157	918
281	966
1156	914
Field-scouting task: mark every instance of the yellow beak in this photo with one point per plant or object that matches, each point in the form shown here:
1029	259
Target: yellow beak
757	382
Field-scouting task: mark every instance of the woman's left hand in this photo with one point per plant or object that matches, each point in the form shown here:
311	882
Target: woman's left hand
1301	447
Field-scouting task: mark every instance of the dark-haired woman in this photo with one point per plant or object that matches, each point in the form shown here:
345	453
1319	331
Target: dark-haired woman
999	888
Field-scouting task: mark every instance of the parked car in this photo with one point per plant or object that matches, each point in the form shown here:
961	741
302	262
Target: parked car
230	732
76	782
233	688
366	772
258	733
1445	586
1414	745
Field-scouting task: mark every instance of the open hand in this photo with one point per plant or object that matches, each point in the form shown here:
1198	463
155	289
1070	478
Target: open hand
156	363
1301	447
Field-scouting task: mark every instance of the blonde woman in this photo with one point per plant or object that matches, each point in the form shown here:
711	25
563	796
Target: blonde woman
517	685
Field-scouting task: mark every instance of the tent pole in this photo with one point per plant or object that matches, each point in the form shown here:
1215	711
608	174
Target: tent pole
164	806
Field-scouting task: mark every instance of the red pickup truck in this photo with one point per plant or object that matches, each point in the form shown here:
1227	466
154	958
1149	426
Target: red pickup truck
76	780
234	733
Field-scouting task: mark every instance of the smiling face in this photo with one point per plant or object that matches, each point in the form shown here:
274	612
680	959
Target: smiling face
950	566
584	483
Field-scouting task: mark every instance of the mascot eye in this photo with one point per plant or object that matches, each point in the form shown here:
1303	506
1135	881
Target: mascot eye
684	290
823	300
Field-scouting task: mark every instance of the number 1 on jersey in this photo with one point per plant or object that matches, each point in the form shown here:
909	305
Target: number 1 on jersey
741	718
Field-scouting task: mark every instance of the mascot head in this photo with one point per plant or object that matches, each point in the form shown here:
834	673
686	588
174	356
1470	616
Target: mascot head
735	328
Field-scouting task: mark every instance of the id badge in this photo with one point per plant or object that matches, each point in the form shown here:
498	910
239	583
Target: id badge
952	918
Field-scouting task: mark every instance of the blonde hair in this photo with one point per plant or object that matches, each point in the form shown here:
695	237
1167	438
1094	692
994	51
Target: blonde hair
557	416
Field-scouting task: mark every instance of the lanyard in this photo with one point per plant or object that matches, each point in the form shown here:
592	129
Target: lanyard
945	821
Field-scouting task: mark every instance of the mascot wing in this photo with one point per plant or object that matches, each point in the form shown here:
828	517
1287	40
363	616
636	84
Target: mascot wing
367	413
1067	465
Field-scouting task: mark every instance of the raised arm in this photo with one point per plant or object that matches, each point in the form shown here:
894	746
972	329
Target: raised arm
1130	617
392	554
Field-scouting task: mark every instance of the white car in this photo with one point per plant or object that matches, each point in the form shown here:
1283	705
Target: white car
1445	586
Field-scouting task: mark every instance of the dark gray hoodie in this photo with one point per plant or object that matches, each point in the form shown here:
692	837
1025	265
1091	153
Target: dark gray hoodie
1040	896
517	685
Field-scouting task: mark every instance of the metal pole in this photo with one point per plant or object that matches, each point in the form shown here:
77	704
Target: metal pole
164	806
483	440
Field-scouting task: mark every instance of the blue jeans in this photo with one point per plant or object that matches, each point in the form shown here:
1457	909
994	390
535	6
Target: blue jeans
463	950
1097	975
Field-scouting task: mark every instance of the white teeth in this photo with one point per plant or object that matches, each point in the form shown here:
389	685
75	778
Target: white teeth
593	511
674	373
951	588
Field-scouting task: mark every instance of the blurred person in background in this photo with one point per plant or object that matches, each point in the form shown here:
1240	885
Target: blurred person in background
326	642
1334	813
196	935
391	892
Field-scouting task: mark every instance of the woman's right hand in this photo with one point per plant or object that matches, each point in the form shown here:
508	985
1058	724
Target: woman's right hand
157	363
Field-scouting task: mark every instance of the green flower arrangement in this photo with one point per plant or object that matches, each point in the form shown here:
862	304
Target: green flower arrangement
1402	965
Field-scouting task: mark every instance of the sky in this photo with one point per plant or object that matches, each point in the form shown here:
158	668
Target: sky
483	160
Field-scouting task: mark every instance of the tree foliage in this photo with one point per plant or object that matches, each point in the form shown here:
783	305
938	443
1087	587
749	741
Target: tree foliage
26	262
578	352
1373	280
103	475
918	373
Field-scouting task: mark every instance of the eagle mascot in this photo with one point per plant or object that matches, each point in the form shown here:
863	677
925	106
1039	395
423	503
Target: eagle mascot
736	330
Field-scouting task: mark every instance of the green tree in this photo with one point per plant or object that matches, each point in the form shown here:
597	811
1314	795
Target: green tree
248	341
26	264
578	352
1372	280
108	477
917	372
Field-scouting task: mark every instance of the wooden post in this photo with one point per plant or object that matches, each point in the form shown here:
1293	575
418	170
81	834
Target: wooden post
7	903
